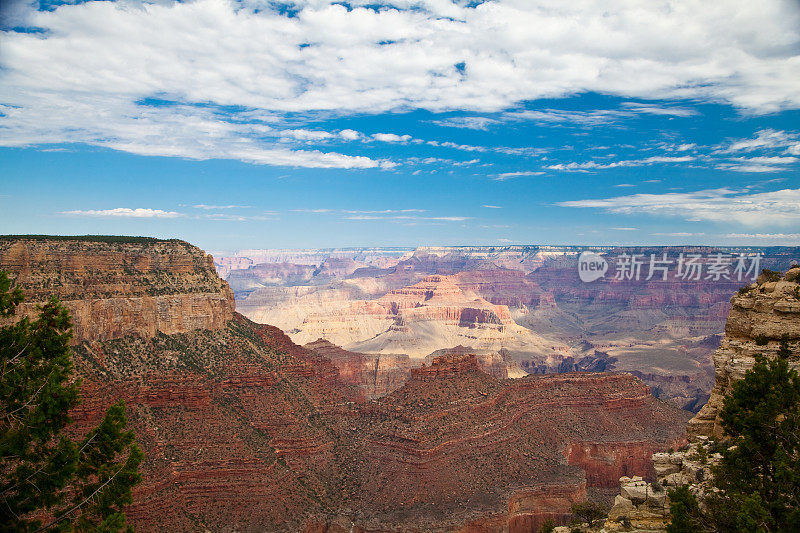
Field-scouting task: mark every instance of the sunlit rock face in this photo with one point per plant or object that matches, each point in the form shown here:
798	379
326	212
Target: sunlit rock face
120	286
761	317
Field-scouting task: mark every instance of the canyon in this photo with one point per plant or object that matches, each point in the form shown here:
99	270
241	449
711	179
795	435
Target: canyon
525	305
246	430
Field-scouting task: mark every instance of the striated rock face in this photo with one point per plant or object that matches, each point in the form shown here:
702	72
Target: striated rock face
120	286
458	439
418	319
244	430
605	462
763	316
499	364
760	318
375	375
529	508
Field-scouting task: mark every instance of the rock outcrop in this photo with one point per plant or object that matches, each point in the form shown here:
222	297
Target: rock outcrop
762	316
374	375
499	364
117	286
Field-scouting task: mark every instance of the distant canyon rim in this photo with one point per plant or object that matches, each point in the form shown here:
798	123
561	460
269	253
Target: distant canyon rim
520	309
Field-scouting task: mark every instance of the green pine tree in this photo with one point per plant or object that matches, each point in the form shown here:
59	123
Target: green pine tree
47	480
758	479
684	511
759	475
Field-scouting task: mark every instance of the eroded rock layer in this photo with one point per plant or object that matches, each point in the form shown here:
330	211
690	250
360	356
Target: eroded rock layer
116	286
374	375
762	317
243	430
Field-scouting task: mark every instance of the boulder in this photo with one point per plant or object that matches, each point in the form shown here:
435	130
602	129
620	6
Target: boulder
622	507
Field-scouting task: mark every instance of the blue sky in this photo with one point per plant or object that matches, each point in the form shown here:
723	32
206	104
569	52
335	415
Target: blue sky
317	124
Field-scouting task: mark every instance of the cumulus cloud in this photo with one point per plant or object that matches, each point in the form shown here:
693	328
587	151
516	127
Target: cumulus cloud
391	137
218	78
780	207
124	212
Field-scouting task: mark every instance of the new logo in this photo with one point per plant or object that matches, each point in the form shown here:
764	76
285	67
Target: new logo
591	267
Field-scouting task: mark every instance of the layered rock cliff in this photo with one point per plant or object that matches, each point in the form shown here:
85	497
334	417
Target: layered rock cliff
374	375
762	316
117	286
764	320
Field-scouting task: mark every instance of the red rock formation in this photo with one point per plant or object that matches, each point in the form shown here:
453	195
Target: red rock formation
375	375
606	462
529	508
120	286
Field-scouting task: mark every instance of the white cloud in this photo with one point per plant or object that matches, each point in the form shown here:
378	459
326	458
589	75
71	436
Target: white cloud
769	160
652	109
509	175
210	207
582	118
124	212
718	205
308	135
227	74
350	135
391	137
679	234
593	165
473	123
492	206
625	229
767	138
758	164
